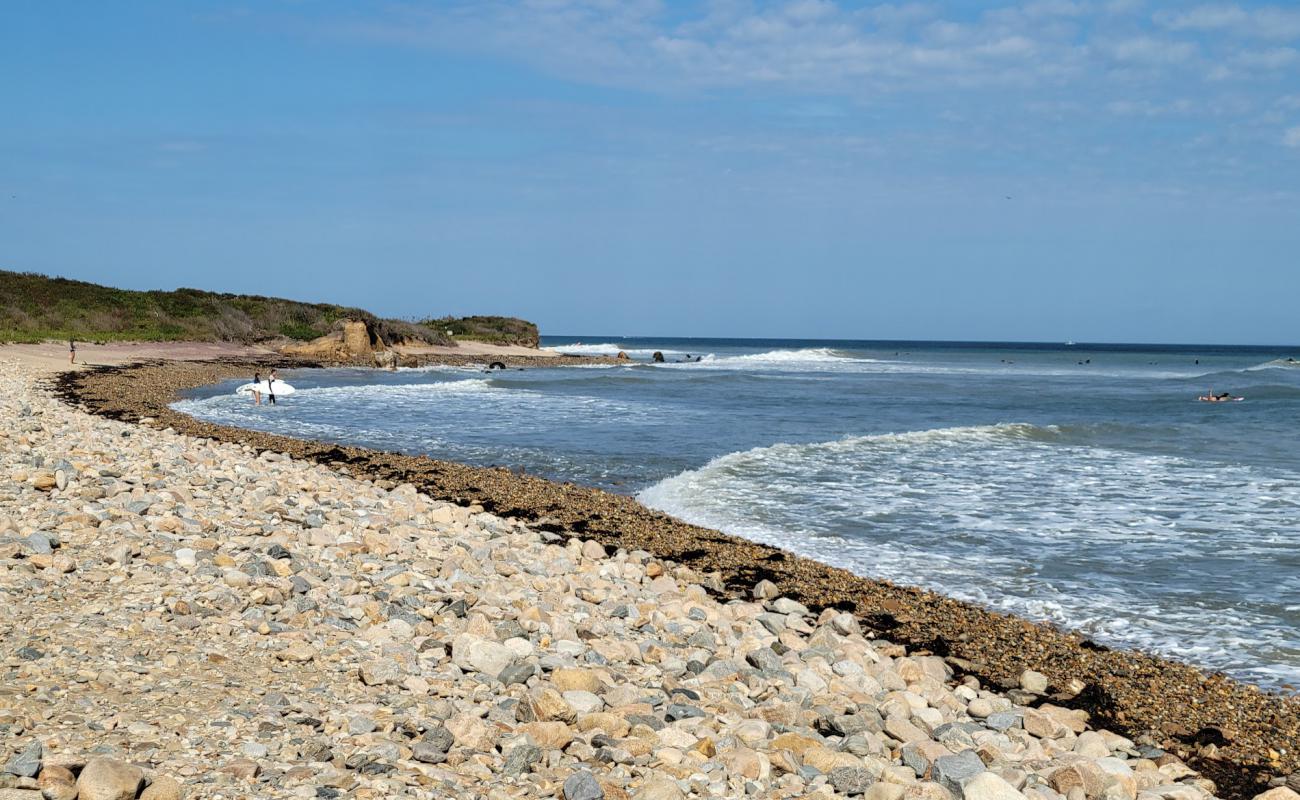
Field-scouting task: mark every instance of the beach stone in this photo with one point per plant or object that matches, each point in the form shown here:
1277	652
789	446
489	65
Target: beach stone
658	788
1278	793
521	759
57	783
39	544
428	753
1080	775
1042	725
473	654
920	755
163	788
440	737
549	704
27	762
885	791
582	786
903	730
765	590
952	772
571	678
548	735
378	673
851	780
242	769
988	786
1003	720
297	652
471	732
107	779
1033	681
583	702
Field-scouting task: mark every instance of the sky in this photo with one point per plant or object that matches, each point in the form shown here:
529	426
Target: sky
1089	170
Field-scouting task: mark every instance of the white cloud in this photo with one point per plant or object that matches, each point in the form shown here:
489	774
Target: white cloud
1269	22
1149	50
1149	108
1292	137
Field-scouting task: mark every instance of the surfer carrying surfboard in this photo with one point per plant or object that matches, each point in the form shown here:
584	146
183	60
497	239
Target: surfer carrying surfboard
255	392
270	385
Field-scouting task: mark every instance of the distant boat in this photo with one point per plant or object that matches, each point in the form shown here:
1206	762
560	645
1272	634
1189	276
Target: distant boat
1069	344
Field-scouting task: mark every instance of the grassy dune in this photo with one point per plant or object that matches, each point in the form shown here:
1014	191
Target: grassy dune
36	308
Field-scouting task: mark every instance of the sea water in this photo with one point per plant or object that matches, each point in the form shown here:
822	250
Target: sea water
1080	485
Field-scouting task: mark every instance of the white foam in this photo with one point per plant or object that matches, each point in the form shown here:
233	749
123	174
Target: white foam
612	349
1136	550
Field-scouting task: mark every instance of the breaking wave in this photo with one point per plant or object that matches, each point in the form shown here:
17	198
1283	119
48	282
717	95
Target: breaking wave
1032	520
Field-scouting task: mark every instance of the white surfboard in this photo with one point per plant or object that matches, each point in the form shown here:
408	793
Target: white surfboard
278	388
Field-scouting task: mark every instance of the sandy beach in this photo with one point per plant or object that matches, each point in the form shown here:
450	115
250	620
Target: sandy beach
251	582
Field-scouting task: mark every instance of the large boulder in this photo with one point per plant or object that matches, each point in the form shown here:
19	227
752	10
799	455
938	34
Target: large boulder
352	340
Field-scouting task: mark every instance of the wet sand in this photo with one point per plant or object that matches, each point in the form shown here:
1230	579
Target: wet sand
1239	736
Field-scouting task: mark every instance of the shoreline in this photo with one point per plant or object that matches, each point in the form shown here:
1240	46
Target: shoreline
1224	728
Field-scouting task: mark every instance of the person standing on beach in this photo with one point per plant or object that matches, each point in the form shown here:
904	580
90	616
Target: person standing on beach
72	351
257	394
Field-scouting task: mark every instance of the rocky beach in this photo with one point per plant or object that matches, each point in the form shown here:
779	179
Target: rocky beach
192	610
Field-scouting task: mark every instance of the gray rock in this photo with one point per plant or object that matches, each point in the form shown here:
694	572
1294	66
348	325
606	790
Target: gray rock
851	780
315	750
427	753
1004	720
784	605
521	759
952	772
849	724
28	762
517	672
676	711
764	658
439	737
39	543
582	786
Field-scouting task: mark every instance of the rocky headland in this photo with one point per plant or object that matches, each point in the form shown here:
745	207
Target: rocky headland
191	610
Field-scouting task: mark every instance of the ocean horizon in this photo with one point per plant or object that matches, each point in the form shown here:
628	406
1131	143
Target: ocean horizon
1081	485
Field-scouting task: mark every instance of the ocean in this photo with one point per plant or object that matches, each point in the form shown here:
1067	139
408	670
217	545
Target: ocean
1081	485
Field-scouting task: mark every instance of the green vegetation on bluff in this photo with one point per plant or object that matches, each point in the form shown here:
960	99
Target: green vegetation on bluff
35	308
493	330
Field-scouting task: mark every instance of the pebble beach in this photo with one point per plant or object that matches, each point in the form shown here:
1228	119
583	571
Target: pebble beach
203	613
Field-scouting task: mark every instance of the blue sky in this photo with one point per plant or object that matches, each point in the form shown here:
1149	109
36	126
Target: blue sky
1091	170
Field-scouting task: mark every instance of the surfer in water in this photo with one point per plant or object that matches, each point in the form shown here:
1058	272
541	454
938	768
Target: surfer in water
1221	397
270	385
257	394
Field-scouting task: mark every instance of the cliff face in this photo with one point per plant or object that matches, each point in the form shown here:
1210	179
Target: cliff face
352	341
